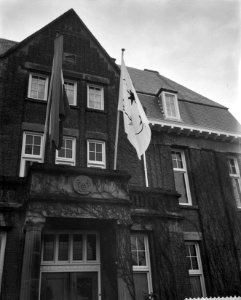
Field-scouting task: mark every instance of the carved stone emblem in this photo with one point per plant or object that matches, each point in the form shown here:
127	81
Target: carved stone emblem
83	185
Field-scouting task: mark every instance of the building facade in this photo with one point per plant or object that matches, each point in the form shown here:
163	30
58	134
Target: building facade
71	227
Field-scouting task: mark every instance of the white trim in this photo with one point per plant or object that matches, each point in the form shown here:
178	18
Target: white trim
72	265
147	268
101	95
70	261
207	130
94	163
64	160
67	81
198	272
45	87
164	102
29	157
3	236
235	176
184	172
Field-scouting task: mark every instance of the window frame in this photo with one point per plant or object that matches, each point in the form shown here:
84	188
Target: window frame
235	176
71	261
30	158
67	81
198	272
147	268
72	265
102	104
3	236
63	160
45	88
93	163
164	102
185	173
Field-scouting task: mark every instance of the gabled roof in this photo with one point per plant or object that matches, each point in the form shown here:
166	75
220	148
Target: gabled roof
198	113
69	13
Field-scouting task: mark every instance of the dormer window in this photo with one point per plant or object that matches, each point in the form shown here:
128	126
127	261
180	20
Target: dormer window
170	105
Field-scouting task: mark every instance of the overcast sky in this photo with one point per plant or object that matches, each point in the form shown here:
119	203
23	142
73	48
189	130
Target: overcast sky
193	42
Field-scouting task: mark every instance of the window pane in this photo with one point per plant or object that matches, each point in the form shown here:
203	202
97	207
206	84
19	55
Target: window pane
68	144
63	247
91	247
61	152
140	242
177	160
232	167
194	263
48	247
141	285
29	139
28	149
91	156
196	288
99	156
91	146
37	140
134	258
236	190
180	186
68	153
99	148
142	258
36	150
77	246
133	242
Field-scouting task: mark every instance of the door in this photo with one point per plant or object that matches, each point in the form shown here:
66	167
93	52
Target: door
69	286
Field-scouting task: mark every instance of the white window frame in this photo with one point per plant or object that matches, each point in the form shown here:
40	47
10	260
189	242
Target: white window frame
94	163
64	160
30	158
198	272
102	96
45	89
3	236
183	170
235	176
144	269
164	102
81	266
66	81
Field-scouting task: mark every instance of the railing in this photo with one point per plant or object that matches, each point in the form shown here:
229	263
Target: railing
216	298
159	200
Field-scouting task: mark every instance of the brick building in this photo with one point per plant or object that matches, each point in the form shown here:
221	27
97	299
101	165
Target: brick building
73	228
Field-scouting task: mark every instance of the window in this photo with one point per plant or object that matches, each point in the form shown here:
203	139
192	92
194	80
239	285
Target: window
32	150
235	178
141	266
95	97
66	155
38	87
181	177
170	106
96	154
70	266
71	91
3	237
195	270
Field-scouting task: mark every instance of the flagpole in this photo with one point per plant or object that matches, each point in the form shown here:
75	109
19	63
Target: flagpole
46	125
117	126
145	169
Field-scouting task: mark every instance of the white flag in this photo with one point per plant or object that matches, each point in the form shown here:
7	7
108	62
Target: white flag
135	120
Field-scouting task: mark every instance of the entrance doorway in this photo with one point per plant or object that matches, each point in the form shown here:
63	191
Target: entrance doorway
69	286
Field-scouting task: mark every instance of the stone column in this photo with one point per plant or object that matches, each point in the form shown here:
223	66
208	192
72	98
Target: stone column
31	258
